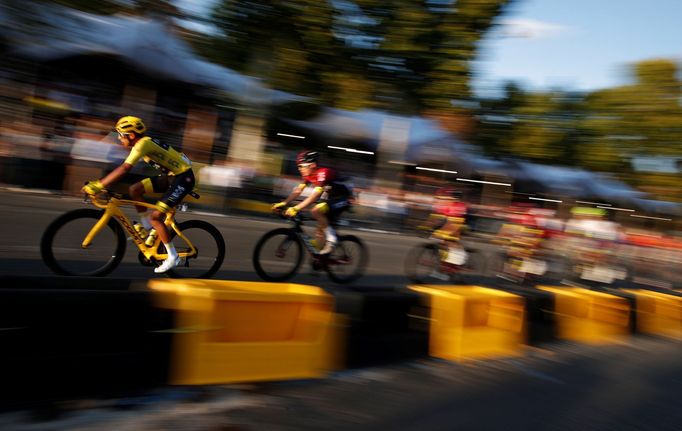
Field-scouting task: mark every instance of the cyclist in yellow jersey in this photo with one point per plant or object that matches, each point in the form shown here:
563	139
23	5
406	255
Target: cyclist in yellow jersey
177	180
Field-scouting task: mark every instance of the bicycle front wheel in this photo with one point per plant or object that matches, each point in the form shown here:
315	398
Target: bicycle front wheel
210	246
423	263
61	250
348	260
278	255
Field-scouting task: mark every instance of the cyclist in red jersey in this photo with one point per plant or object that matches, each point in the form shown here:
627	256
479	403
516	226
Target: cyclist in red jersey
447	221
450	212
329	196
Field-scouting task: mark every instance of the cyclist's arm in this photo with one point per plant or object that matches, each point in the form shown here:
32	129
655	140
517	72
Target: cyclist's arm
295	193
314	196
135	155
116	174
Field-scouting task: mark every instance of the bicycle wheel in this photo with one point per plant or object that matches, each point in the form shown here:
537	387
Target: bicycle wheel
347	262
61	250
210	246
423	264
278	255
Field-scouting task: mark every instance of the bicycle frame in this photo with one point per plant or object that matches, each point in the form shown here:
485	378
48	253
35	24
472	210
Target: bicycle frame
443	247
306	239
112	209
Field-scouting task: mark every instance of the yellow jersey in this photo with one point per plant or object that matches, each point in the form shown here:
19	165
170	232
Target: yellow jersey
161	156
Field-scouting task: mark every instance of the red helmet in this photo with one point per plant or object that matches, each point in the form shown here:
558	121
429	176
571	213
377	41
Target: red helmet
307	157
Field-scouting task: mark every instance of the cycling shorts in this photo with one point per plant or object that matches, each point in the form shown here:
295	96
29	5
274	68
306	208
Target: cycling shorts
333	208
174	187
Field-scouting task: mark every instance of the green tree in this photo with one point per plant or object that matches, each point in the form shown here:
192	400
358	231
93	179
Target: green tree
425	50
495	119
290	45
403	56
540	126
641	119
600	131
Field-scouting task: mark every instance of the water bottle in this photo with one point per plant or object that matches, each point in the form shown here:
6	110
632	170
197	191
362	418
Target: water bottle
151	238
141	231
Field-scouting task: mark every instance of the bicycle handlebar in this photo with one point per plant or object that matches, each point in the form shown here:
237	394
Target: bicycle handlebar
297	219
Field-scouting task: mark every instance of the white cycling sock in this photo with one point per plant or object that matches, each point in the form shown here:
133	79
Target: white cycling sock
170	249
330	234
146	221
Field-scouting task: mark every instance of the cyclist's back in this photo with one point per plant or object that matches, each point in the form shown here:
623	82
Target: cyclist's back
159	155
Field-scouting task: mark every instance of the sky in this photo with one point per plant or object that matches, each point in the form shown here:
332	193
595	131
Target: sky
580	45
577	44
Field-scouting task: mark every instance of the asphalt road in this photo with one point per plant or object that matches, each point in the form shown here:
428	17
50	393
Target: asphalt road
24	217
635	385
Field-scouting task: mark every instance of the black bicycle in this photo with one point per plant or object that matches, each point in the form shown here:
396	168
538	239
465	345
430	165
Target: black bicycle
279	254
436	260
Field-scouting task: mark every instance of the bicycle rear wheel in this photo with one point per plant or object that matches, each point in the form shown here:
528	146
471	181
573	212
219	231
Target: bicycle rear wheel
210	246
61	250
278	255
347	262
423	264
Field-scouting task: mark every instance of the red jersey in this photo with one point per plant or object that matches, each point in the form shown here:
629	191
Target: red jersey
322	177
325	178
450	208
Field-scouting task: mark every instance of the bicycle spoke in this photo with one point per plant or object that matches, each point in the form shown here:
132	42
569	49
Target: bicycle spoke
62	251
210	248
277	255
423	265
347	261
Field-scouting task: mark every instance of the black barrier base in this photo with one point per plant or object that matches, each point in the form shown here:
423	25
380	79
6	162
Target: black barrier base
540	322
86	341
71	283
385	325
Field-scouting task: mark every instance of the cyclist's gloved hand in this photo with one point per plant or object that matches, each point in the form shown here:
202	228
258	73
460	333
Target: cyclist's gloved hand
93	187
291	212
278	206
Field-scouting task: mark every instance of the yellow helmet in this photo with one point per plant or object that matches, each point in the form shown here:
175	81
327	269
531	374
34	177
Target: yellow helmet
130	125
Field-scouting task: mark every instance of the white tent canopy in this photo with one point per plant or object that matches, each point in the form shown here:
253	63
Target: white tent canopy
425	135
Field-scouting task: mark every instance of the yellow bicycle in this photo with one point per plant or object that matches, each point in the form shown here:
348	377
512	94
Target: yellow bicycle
91	242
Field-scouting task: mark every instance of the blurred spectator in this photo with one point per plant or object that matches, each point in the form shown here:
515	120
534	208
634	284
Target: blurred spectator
591	223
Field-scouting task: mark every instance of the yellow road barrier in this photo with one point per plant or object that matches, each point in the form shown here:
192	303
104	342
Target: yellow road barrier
238	331
658	313
468	322
588	316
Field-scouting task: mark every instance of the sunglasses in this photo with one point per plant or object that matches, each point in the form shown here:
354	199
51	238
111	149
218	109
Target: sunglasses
304	165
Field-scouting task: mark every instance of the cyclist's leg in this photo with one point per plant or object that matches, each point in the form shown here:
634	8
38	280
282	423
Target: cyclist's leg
325	232
336	208
319	213
180	186
433	221
329	212
148	185
450	232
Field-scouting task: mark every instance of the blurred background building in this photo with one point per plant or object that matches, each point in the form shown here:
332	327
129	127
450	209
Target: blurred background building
392	110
